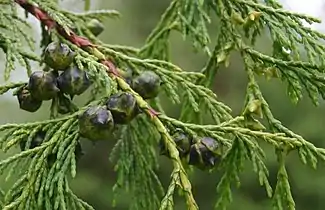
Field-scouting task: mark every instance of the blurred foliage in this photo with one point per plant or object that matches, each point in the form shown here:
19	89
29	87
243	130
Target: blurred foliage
95	181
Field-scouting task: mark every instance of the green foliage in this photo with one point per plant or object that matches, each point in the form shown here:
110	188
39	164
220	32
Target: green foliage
296	59
13	28
137	164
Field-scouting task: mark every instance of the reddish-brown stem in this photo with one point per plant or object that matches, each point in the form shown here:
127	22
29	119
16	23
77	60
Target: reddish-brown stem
111	67
52	24
152	112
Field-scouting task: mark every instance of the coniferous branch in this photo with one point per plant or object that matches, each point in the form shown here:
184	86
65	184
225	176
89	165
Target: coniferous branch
136	164
49	162
311	153
8	86
254	93
190	199
312	81
178	171
275	139
181	81
83	42
233	161
187	17
45	183
309	74
283	186
10	37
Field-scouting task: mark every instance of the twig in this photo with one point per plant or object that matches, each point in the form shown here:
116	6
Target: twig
7	87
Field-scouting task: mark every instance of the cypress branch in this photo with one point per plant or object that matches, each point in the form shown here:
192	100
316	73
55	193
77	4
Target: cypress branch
51	148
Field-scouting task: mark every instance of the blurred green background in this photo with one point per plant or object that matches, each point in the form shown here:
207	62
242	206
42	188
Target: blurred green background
95	173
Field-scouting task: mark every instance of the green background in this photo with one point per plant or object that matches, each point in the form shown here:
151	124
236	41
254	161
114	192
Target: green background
95	173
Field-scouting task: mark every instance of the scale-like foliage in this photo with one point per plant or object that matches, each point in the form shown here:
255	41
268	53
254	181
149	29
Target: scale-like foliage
137	164
40	172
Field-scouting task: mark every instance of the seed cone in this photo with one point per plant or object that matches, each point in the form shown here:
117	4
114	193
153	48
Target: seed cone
147	84
73	81
58	56
204	154
43	85
95	26
183	144
96	123
123	107
26	101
